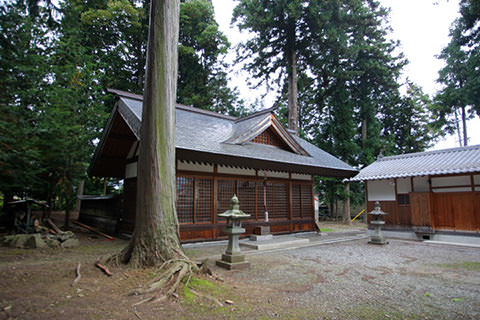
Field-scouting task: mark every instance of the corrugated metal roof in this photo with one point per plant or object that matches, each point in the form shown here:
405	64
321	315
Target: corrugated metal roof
206	132
439	162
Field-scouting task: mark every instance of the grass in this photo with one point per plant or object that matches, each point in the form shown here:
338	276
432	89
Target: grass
326	230
467	265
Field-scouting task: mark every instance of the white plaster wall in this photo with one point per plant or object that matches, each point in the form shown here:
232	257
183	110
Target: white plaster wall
239	171
420	184
476	179
381	190
403	185
273	174
131	170
193	166
450	181
299	176
464	189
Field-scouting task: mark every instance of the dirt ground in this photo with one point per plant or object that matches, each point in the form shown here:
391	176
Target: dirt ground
347	280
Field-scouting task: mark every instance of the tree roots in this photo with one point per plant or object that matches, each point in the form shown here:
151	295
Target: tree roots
173	273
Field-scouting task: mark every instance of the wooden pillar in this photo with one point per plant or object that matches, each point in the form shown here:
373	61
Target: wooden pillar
346	204
194	219
81	185
290	197
215	194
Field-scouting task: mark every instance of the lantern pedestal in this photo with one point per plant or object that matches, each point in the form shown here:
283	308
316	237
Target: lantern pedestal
233	258
377	222
377	236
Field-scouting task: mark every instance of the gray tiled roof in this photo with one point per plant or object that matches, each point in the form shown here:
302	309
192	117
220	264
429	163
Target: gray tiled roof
204	131
448	161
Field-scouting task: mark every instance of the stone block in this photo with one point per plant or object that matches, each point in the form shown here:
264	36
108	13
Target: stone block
266	237
233	266
261	230
70	243
233	258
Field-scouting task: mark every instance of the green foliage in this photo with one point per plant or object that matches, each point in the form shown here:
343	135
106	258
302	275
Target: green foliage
349	95
461	74
202	76
347	73
23	72
51	115
417	131
53	76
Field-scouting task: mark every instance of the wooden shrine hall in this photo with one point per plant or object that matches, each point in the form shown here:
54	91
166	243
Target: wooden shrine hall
254	157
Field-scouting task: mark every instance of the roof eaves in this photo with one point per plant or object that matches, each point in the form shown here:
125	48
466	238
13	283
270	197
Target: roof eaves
359	177
130	118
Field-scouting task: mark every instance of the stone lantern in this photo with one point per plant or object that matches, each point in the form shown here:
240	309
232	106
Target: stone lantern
377	222
233	258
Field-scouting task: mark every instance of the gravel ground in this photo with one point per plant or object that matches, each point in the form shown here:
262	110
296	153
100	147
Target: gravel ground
343	280
355	280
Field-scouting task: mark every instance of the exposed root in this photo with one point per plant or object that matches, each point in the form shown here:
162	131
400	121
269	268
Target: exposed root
174	272
143	301
79	276
215	300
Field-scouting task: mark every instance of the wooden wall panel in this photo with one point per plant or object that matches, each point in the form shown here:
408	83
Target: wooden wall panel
389	207
196	198
456	211
420	209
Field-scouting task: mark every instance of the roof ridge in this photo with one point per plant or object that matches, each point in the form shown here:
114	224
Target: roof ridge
258	113
125	94
205	112
180	106
432	152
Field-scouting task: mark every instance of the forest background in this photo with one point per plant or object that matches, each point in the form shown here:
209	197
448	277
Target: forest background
57	58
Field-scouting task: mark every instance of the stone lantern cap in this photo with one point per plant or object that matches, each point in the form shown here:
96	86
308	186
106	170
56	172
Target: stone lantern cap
377	211
234	212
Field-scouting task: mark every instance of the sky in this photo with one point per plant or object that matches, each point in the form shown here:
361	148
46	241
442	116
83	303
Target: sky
422	26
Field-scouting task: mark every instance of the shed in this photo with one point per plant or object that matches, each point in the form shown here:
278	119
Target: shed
269	168
427	192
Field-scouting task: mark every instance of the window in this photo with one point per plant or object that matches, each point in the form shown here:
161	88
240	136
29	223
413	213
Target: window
185	199
403	199
194	207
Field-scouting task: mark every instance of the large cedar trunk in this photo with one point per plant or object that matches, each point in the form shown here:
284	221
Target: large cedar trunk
156	237
292	79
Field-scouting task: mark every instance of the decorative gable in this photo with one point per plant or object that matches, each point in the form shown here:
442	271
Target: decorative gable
270	137
264	128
